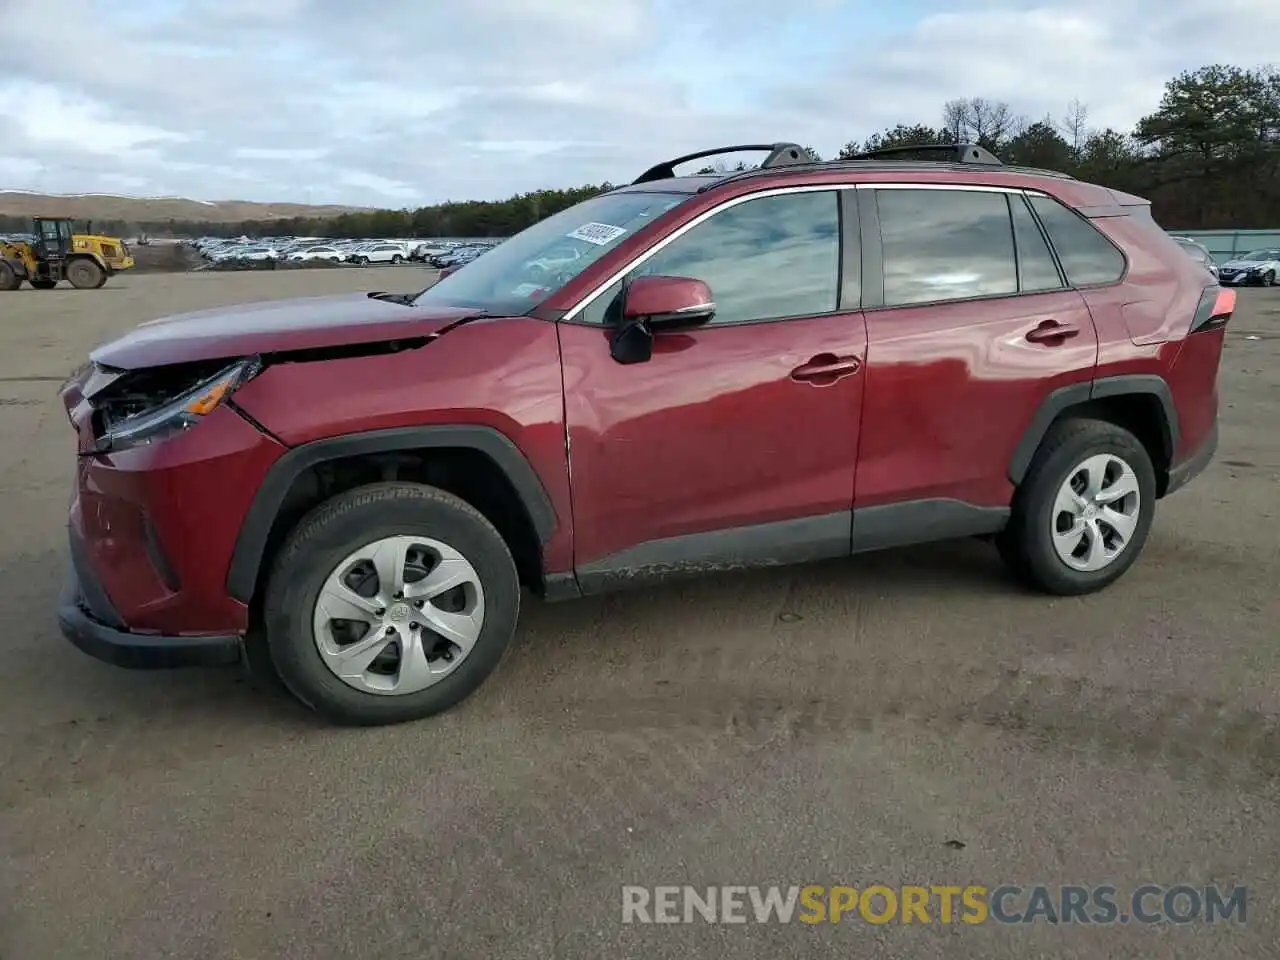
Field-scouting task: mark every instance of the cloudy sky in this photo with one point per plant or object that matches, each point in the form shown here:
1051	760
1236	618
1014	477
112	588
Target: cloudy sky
405	102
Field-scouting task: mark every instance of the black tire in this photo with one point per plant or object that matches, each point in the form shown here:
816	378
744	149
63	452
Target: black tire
258	667
345	523
1026	543
396	259
85	274
9	278
1269	278
43	284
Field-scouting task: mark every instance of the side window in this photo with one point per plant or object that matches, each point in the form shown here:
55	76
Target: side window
1086	255
763	259
945	245
601	310
1036	269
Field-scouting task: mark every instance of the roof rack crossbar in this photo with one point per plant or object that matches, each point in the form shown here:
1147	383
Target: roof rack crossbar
955	153
780	155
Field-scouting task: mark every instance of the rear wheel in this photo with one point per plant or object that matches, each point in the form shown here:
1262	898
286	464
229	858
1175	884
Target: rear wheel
1082	513
9	278
389	603
85	274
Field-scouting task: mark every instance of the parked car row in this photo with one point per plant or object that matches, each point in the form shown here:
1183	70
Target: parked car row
1257	268
463	254
1260	268
356	252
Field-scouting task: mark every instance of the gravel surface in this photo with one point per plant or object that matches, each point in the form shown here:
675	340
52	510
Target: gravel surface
910	717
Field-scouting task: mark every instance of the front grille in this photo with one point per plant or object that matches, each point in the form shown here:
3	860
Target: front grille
109	252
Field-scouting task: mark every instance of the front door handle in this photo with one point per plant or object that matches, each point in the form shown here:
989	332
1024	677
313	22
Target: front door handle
1052	332
826	368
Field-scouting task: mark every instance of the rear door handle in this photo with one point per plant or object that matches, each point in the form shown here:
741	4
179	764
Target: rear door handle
1052	332
826	368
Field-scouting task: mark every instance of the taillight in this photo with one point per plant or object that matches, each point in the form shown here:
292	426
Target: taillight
1215	309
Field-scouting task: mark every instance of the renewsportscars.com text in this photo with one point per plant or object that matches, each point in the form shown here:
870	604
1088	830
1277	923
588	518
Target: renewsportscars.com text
970	904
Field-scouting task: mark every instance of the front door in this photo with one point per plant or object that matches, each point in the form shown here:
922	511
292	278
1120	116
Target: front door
735	443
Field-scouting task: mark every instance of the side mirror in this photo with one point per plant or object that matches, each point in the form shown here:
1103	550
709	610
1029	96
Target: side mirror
658	304
668	302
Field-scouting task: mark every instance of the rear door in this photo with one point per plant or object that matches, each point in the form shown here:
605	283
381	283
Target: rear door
970	326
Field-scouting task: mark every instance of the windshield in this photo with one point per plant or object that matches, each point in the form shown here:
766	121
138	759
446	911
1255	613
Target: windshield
523	271
1259	255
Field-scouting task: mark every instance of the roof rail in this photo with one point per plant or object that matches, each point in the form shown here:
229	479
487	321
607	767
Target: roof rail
954	153
780	155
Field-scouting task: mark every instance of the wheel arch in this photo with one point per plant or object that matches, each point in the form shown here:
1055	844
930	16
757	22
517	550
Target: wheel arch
261	526
92	255
1141	403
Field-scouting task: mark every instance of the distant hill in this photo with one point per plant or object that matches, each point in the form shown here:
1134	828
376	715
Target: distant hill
100	206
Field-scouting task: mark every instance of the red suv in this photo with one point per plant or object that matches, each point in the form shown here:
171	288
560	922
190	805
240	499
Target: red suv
687	374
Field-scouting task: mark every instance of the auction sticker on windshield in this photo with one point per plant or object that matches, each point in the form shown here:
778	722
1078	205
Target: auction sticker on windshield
597	233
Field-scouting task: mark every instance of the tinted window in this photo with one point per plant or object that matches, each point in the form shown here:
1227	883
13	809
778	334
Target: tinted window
1036	269
771	257
945	245
1086	255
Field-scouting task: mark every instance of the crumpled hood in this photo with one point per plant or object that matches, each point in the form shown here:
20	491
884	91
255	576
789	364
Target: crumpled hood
272	327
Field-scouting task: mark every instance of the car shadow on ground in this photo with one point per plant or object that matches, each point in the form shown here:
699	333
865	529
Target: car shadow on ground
932	635
928	575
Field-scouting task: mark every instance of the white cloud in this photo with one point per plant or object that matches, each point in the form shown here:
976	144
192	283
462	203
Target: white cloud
403	102
51	119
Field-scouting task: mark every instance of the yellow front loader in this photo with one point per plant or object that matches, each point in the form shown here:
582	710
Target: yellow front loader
57	254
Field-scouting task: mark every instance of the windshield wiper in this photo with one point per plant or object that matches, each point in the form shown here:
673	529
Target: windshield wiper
405	299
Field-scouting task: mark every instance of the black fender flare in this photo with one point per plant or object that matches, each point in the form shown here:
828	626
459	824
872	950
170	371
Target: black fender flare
251	543
1075	394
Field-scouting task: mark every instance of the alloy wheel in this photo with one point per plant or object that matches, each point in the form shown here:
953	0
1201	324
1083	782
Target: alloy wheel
1095	513
398	615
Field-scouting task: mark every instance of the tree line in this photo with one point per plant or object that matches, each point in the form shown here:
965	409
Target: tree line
1208	157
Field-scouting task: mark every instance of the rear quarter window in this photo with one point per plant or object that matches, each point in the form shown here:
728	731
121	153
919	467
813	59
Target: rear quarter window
1087	257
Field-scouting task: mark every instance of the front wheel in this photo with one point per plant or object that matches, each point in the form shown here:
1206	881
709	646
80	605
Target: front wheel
1082	513
1269	278
389	603
85	274
10	279
396	259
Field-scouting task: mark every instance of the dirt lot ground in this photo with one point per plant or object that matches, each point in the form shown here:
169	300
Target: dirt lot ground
903	718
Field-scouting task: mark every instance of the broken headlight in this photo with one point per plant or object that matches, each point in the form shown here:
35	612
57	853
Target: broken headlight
149	405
